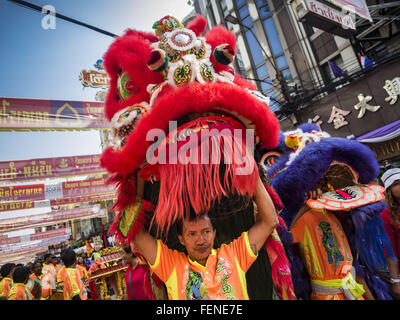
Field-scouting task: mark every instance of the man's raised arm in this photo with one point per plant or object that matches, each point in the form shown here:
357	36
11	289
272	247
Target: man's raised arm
146	244
266	219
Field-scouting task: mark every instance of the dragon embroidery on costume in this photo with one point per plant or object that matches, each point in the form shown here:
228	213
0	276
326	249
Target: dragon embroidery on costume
329	242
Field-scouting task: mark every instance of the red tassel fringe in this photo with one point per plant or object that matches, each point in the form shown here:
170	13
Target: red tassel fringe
199	185
276	200
281	275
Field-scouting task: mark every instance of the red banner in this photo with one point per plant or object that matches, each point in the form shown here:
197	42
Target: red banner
51	114
86	187
49	168
39	220
11	206
36	236
20	193
67	189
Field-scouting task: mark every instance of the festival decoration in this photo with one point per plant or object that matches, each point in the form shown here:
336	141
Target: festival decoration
110	273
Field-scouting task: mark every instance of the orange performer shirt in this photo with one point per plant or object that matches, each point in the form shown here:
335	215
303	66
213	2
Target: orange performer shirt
323	245
73	284
223	277
82	271
20	291
5	286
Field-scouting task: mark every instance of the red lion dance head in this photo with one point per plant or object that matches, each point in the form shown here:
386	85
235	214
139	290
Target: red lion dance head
177	76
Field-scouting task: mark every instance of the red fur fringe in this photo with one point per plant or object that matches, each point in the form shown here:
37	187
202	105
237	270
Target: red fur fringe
182	101
274	197
281	275
198	25
198	186
217	36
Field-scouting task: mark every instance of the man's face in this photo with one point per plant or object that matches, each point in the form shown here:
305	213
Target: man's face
198	238
37	268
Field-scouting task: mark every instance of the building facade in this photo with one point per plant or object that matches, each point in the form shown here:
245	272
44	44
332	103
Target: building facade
289	48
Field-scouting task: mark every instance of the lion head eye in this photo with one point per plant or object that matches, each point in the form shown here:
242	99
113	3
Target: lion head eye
125	86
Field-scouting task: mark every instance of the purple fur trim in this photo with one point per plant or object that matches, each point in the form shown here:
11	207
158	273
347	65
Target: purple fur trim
313	161
308	127
367	239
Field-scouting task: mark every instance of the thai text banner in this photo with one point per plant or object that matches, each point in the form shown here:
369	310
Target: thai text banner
33	114
22	170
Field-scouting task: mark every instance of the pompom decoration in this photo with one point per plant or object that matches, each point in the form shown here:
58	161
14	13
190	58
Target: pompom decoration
158	60
292	141
224	54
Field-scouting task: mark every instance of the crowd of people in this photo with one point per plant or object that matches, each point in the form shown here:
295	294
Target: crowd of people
41	279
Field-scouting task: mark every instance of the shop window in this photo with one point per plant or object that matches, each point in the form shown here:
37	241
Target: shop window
281	62
254	47
259	3
240	2
243	12
262	72
264	12
266	85
248	22
273	36
287	75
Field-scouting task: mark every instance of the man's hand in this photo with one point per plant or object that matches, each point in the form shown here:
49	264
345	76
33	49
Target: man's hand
315	194
146	244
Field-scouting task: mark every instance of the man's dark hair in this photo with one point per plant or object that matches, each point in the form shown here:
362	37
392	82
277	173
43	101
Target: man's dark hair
21	274
128	250
192	217
6	269
68	256
47	256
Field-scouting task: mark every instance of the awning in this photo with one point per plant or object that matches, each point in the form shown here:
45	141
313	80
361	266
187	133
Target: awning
381	134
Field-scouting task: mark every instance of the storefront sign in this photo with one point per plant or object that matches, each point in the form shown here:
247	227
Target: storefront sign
36	236
332	14
59	216
68	189
24	192
338	117
11	206
363	105
51	114
359	7
387	149
32	246
22	170
392	88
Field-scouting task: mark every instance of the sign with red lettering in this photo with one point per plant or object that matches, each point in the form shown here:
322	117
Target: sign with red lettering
21	170
36	236
24	192
86	187
359	7
51	114
12	206
59	216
